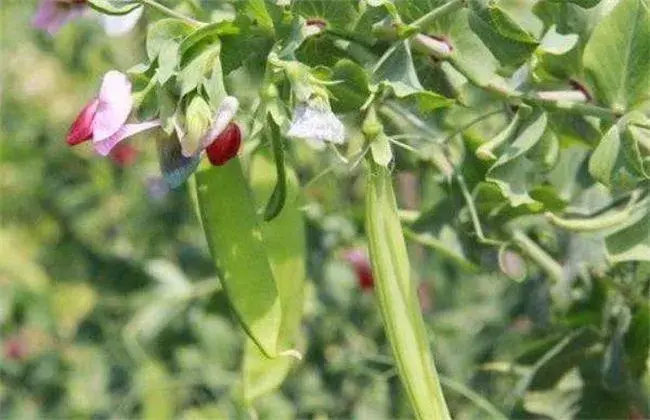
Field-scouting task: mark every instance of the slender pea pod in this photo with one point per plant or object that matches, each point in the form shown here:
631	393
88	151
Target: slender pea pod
621	218
284	238
397	298
234	236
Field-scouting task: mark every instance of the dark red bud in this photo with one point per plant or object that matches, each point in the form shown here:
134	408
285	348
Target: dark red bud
124	154
15	348
361	264
225	146
321	24
579	86
82	127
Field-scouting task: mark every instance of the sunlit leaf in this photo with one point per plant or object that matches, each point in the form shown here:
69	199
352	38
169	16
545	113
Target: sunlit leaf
617	56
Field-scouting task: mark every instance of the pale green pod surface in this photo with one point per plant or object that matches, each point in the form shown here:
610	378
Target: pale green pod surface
234	236
284	238
398	300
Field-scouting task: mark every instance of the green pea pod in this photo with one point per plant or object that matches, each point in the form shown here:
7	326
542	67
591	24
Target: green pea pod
277	199
398	300
284	238
235	240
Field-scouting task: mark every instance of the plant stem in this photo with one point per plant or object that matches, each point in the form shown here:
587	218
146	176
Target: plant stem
428	19
477	399
537	254
169	12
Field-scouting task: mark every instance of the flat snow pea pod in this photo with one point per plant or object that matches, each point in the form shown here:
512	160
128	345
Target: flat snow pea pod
284	238
397	297
235	240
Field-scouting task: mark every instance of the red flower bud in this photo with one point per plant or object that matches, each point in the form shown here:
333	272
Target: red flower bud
15	348
361	264
82	127
124	154
225	146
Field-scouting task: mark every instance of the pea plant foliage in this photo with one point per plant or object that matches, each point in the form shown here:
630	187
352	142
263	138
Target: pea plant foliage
526	123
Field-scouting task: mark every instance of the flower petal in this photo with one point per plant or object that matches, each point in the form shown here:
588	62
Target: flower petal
105	146
175	167
361	264
116	25
115	104
316	123
51	15
223	116
82	127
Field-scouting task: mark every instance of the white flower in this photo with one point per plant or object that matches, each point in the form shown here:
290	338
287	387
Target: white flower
315	122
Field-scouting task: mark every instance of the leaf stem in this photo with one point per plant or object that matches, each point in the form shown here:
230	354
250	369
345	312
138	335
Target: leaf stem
429	19
516	98
170	12
473	214
537	254
474	397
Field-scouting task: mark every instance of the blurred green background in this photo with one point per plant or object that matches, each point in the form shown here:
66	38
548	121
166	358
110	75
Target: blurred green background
109	308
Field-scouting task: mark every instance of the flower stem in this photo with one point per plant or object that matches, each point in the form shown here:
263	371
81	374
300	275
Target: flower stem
170	12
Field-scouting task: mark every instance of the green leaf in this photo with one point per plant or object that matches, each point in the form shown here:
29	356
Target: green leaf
396	69
428	101
398	300
556	43
340	14
157	396
636	150
603	159
511	171
194	73
71	303
163	31
631	243
284	239
508	49
507	26
351	88
168	61
617	56
236	243
114	7
203	39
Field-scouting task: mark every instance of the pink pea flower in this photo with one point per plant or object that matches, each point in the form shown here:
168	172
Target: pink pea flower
53	14
104	118
359	260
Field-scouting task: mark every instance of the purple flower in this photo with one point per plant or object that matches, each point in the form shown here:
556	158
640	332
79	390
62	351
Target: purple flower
104	118
53	14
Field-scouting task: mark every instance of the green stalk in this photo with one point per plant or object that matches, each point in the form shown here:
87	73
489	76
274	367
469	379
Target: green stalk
170	12
397	297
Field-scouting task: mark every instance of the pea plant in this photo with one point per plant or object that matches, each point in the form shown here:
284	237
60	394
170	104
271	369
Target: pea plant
526	124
